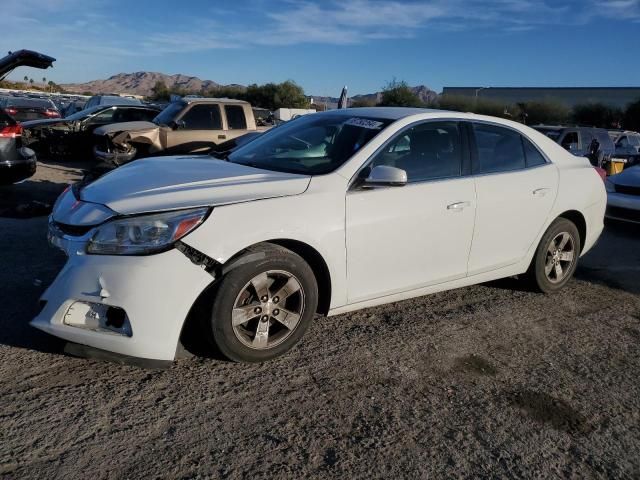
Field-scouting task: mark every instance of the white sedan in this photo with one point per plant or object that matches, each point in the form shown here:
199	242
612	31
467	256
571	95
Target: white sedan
329	213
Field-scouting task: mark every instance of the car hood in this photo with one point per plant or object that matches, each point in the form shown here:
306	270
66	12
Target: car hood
124	126
629	176
155	184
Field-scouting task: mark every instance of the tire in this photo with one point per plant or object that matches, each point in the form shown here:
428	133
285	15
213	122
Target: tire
543	274
247	304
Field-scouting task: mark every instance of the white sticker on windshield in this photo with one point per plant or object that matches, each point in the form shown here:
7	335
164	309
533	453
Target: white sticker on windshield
364	123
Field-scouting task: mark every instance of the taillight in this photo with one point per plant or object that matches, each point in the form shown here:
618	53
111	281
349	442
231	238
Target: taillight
52	113
602	172
11	131
11	110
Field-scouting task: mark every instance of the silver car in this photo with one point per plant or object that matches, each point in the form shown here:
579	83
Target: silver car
623	195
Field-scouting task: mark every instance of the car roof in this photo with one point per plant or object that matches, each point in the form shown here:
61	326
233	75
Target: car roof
387	113
211	100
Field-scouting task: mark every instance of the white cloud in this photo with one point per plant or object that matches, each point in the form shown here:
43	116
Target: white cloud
83	35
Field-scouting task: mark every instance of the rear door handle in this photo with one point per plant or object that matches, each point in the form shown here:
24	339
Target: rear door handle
541	192
222	137
458	206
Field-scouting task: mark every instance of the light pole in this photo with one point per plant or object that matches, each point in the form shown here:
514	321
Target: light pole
478	90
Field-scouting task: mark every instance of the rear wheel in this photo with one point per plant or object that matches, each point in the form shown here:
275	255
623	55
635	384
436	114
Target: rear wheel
556	257
263	307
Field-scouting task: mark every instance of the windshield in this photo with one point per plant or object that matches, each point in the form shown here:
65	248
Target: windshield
82	114
166	116
311	145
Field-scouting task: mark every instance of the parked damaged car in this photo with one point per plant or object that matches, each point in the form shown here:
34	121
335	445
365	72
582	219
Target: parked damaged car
190	125
623	195
329	213
73	135
17	162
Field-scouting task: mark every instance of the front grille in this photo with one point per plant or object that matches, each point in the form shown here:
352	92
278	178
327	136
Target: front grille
623	214
72	230
627	190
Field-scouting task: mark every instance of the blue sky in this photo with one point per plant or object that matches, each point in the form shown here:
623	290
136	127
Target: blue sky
324	44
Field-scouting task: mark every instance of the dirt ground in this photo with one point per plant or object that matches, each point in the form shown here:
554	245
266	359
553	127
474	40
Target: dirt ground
486	381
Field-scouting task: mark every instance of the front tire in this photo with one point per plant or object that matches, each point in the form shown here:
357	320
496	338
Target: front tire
264	306
556	257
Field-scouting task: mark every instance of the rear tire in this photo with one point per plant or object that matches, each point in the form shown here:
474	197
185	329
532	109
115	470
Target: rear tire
556	257
264	306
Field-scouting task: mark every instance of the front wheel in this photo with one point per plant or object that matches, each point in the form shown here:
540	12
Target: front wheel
556	257
263	307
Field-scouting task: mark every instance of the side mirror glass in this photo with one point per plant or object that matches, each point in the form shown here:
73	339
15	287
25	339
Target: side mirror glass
384	175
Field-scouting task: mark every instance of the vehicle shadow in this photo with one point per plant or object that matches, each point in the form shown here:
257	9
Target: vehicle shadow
615	260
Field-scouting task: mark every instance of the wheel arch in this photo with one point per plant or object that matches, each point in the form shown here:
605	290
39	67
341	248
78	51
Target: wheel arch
578	219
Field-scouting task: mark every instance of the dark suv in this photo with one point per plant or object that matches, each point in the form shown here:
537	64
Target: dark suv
593	143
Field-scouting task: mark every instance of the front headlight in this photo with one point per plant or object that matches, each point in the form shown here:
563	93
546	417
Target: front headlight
609	186
144	234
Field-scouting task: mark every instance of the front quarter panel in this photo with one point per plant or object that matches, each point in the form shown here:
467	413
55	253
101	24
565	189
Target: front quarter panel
315	218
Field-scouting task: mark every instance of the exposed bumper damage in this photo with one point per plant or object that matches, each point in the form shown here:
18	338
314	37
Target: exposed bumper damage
131	306
119	143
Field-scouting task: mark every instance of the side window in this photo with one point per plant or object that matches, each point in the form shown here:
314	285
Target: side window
623	142
428	151
532	154
570	141
499	149
203	117
587	138
106	116
137	115
235	117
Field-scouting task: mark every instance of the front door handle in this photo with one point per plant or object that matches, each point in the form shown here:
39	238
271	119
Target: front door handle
222	137
541	192
458	206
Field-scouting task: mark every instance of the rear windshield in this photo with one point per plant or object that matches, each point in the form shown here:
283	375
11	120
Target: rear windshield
30	102
166	116
312	145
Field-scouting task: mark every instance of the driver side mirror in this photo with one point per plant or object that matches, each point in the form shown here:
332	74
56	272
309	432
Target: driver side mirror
177	124
385	176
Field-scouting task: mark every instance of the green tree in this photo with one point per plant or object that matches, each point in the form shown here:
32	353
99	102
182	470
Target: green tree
160	91
399	94
545	112
362	102
631	120
597	115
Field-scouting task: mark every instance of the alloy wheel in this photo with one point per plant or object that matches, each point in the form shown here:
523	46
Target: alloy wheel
560	257
268	309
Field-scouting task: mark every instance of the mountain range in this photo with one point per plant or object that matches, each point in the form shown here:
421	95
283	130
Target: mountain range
142	83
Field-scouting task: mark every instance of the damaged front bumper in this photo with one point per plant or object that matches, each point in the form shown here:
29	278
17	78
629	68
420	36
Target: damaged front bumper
133	306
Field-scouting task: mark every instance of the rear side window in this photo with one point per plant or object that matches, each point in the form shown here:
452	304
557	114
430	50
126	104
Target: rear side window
532	154
235	117
570	141
203	117
499	149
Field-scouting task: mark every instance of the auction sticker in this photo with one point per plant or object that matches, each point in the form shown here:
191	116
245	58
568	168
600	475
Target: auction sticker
364	123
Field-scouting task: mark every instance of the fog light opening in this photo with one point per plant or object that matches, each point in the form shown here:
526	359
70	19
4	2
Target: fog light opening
98	317
115	317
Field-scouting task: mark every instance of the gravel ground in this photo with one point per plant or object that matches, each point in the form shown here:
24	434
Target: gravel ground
484	381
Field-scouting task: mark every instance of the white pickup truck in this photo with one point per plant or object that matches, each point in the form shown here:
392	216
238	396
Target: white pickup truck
189	125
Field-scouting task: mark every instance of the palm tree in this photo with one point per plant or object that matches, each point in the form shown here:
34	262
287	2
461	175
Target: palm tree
26	79
44	80
51	85
31	81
